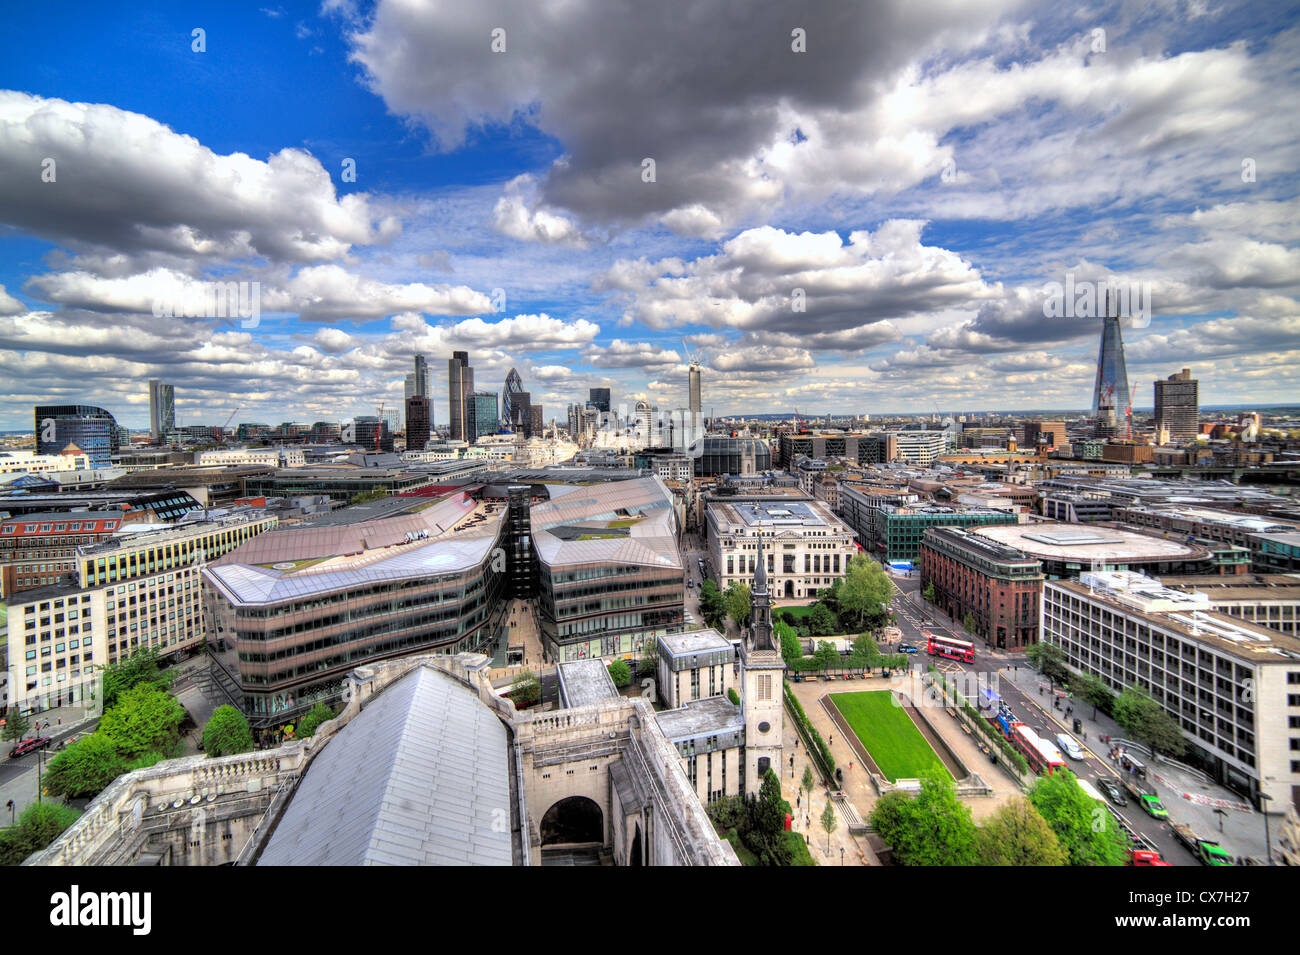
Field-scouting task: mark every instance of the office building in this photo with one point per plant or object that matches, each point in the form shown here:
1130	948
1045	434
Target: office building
460	385
1177	415
1067	550
695	400
307	604
599	398
737	456
483	416
39	549
419	422
1269	600
162	409
1129	631
807	547
609	570
995	585
1241	530
371	433
862	448
1050	434
890	522
421	377
83	429
140	588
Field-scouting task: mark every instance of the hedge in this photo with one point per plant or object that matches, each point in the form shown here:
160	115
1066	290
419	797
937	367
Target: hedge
822	753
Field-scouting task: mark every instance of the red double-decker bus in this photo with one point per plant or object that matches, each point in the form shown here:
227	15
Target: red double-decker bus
1041	755
949	648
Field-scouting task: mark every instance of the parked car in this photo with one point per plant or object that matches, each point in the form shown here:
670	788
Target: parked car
29	746
1114	792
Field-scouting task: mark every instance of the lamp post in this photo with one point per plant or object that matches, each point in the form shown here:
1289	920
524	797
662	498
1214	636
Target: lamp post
1220	813
1265	798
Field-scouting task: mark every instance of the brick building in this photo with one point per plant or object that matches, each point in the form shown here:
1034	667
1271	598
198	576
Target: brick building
999	586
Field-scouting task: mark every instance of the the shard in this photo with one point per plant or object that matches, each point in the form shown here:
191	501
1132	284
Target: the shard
1110	394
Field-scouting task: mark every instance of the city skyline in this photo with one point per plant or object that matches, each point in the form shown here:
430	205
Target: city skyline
387	212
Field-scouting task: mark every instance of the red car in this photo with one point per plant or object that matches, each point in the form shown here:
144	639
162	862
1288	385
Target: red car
1146	857
29	746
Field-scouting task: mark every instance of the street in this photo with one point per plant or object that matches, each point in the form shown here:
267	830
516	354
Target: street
912	613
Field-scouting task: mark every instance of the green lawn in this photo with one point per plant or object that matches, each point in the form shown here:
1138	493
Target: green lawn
888	734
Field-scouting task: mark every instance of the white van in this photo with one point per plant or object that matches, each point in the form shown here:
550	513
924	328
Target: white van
1069	746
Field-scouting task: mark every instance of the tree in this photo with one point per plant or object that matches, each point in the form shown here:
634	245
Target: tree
821	621
829	823
930	828
712	605
737	600
1092	691
318	714
129	672
826	656
765	834
1018	835
1084	828
865	590
526	690
146	718
227	733
807	782
733	696
1050	660
85	768
648	662
620	673
1146	719
791	648
16	726
969	623
866	653
929	593
39	825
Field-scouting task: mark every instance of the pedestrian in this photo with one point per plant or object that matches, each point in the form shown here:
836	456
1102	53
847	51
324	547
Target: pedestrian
832	742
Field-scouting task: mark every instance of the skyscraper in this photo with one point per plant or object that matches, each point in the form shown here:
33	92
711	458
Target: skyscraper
482	414
162	408
1178	406
515	402
421	382
460	384
1110	394
419	422
600	398
696	405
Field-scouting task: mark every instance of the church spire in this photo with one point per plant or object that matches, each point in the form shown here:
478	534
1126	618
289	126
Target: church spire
760	604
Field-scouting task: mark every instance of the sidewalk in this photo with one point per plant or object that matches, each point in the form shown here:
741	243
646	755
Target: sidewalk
1243	832
807	807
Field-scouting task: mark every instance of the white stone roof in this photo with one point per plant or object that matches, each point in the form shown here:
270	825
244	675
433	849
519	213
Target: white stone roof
420	776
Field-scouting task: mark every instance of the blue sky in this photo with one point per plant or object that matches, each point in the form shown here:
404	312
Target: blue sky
916	176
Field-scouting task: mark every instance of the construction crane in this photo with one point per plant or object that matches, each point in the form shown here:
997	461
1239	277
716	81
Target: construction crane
1130	410
221	435
379	427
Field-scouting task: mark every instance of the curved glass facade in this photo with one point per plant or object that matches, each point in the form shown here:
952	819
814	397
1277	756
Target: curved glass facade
91	429
724	455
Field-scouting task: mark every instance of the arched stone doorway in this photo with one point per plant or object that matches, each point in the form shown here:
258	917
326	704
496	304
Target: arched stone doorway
575	819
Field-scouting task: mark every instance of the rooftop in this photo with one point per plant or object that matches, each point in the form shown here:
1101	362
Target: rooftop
453	535
694	641
583	682
714	715
421	776
627	522
1076	543
1184	613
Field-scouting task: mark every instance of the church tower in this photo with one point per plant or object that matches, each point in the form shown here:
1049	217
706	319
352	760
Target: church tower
761	673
